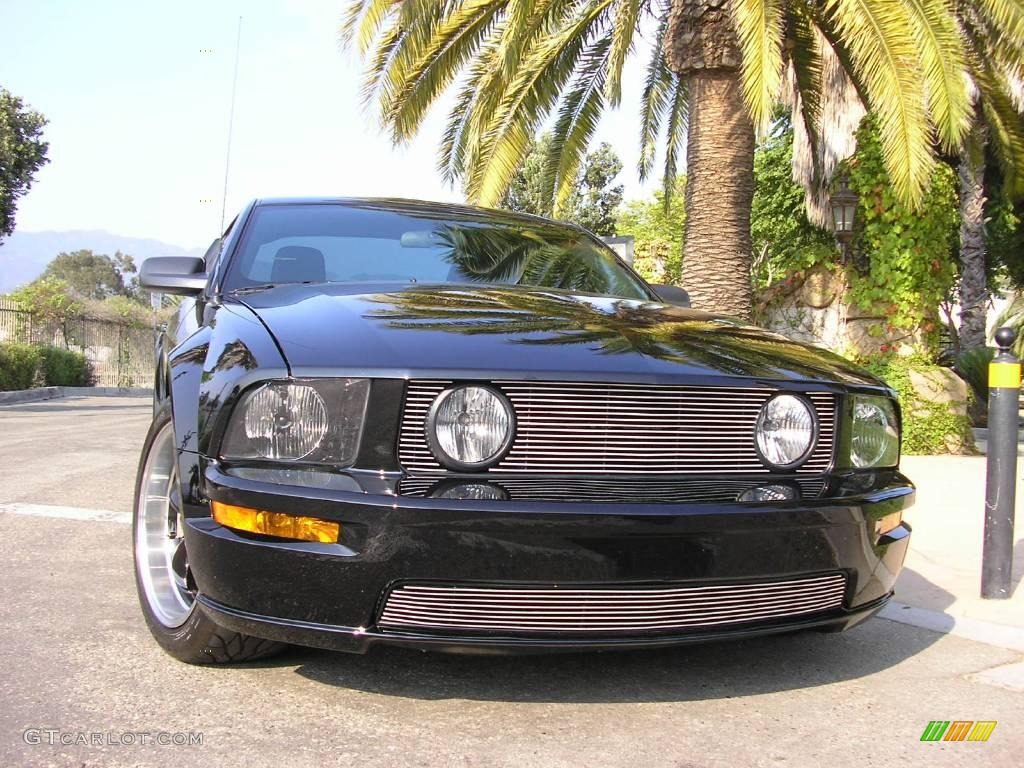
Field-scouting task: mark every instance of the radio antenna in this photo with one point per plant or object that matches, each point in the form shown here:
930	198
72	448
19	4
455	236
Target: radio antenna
231	123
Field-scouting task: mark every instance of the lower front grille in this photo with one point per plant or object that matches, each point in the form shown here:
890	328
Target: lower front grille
621	490
606	609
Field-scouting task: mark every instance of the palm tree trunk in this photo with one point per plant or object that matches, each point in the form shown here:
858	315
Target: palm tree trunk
973	278
719	193
703	49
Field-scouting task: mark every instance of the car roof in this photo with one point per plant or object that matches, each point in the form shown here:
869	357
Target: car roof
419	206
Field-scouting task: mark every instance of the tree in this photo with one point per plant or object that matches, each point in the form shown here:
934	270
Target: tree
94	275
526	192
656	225
1004	231
596	200
995	68
129	274
593	200
52	303
717	70
22	153
973	287
783	238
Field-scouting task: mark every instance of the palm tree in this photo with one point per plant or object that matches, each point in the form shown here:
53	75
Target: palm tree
995	66
525	257
716	71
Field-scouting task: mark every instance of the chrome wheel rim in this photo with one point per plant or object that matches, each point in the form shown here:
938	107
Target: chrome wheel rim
160	555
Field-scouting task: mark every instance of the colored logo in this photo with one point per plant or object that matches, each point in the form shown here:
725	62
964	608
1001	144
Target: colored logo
958	730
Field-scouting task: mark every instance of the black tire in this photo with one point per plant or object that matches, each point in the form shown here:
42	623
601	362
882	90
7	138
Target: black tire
197	639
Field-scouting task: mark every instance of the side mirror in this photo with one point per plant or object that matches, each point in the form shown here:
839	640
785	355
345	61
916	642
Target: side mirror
672	294
183	275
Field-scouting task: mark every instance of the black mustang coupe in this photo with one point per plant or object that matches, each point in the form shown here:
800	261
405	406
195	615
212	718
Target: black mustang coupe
383	421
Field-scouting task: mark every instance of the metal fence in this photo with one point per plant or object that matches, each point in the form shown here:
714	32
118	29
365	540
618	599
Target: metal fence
121	355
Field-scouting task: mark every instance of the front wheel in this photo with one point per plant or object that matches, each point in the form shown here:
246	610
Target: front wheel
165	586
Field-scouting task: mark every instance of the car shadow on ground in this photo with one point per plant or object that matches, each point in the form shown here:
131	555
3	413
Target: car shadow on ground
912	587
687	673
922	592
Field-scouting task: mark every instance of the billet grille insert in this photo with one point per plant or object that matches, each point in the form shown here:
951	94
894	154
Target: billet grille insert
606	609
584	427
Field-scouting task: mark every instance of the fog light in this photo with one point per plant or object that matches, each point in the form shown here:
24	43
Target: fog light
278	524
775	492
469	492
470	427
786	431
890	522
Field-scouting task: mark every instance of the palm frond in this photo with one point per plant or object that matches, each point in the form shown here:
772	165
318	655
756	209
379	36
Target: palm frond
624	28
455	41
658	84
416	35
759	29
941	53
451	161
998	109
678	123
528	100
879	38
375	80
805	60
363	21
495	83
987	38
1006	16
577	120
1006	126
521	16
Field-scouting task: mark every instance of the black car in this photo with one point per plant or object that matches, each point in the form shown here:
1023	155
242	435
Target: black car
383	421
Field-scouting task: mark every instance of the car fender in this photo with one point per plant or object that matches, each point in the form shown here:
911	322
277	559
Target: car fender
206	373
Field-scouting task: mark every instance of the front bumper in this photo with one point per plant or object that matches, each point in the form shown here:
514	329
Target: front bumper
332	595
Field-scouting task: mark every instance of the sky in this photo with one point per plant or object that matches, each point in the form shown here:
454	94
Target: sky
138	94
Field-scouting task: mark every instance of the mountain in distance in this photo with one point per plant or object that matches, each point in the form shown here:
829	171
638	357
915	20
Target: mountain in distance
24	255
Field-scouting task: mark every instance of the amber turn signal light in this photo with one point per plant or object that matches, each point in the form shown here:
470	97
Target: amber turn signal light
275	523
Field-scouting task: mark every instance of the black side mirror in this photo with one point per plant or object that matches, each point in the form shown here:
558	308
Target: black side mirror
183	275
672	294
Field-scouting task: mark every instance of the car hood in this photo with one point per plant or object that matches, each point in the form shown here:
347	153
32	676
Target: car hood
462	331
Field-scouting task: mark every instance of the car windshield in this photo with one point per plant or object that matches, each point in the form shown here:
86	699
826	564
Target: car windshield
373	243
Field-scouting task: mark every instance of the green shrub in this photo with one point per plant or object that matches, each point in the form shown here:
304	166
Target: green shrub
64	368
972	365
903	260
18	366
929	427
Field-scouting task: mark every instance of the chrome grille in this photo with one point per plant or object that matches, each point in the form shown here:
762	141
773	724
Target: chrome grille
606	609
623	490
623	428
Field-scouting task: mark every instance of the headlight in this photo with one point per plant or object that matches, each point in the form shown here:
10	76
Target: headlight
786	431
316	421
470	427
874	434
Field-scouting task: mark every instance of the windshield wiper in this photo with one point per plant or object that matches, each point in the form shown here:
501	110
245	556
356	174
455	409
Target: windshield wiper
254	288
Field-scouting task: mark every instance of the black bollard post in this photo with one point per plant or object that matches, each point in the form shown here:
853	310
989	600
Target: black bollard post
1001	485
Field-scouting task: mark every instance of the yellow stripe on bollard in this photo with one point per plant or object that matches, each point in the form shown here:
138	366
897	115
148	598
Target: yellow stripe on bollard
1004	376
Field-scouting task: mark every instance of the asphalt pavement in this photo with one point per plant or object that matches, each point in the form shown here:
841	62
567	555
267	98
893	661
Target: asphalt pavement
80	667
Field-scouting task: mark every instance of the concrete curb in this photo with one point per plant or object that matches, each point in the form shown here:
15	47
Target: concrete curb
987	632
51	393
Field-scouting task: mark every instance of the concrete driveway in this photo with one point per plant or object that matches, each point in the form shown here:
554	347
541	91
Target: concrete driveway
79	660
